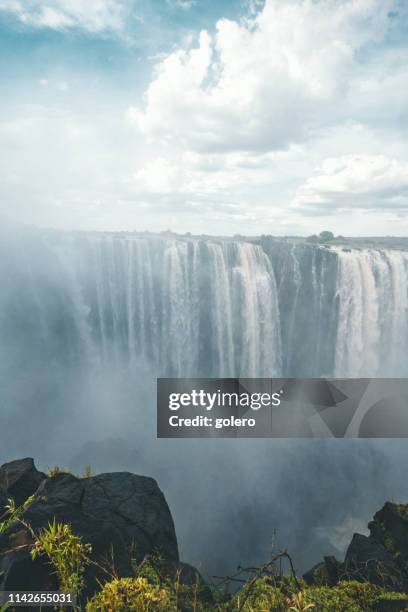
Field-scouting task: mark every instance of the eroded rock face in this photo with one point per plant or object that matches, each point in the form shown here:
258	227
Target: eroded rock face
121	515
363	548
380	558
390	528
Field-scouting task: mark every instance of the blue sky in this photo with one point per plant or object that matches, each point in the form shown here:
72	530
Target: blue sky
284	116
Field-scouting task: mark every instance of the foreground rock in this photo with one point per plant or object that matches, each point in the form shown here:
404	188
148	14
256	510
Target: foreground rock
380	558
123	516
18	480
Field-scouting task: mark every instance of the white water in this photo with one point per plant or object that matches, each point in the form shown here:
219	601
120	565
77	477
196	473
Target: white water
191	308
372	332
209	307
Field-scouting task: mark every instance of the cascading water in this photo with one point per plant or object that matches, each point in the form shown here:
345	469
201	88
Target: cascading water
208	307
189	307
372	331
87	322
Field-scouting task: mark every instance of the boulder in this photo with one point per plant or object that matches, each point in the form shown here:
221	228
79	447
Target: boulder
19	479
123	516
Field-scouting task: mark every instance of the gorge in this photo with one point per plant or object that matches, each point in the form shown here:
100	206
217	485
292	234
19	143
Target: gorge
89	320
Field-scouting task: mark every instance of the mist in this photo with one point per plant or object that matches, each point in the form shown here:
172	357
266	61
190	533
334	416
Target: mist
87	323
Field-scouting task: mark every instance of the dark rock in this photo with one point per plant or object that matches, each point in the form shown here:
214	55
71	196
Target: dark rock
188	575
328	572
390	527
333	569
19	479
391	605
380	558
363	549
316	575
367	557
123	516
3	500
21	573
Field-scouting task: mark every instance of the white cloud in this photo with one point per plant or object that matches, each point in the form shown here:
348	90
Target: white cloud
353	182
231	127
186	5
89	15
239	121
158	176
197	174
264	82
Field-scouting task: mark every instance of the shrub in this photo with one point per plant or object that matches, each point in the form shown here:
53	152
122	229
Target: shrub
13	513
132	595
259	595
349	596
68	555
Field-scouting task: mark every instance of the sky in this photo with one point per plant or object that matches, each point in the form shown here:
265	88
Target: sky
284	117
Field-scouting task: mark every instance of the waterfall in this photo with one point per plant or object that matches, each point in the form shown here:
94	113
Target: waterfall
189	307
372	332
89	320
344	311
193	307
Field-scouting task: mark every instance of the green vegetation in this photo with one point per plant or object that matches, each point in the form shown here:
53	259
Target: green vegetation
158	587
346	596
66	553
131	594
57	469
323	237
87	472
13	513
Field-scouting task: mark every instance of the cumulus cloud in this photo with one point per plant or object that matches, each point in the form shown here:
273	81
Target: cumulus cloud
196	174
353	182
264	82
158	176
92	15
229	128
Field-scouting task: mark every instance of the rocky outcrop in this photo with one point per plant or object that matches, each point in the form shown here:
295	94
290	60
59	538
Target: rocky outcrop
122	515
329	572
380	558
18	480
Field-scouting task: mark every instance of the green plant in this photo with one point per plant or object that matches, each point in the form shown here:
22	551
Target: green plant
327	599
297	603
349	596
57	470
67	554
13	513
260	595
157	585
132	595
